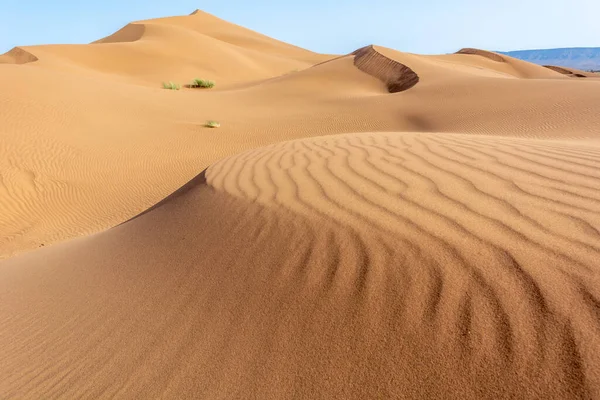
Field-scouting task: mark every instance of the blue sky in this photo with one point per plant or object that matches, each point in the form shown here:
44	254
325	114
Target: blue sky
328	26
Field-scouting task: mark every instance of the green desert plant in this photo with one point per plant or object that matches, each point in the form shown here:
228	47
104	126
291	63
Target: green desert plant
202	83
171	86
212	124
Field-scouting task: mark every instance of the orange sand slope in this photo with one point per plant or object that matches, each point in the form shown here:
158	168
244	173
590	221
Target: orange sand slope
373	265
174	48
375	225
84	151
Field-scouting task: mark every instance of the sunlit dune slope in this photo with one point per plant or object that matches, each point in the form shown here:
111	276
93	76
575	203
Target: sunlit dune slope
507	64
175	48
378	224
89	138
373	265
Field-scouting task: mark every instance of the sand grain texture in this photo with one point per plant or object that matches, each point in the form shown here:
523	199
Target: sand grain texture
416	265
374	225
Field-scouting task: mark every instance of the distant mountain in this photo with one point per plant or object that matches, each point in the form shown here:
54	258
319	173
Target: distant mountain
584	58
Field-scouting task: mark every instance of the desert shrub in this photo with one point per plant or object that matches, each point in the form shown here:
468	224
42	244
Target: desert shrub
202	83
212	124
171	86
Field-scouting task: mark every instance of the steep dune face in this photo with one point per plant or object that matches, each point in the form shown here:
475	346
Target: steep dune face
396	76
129	33
334	79
572	72
17	55
415	265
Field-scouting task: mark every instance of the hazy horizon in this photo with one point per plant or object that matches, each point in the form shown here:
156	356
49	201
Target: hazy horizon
325	26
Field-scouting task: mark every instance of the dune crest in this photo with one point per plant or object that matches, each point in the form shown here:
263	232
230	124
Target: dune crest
447	247
438	196
17	55
483	53
129	33
397	76
516	67
171	52
575	73
416	265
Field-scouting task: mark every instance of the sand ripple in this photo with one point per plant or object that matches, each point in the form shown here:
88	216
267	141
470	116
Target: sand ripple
499	238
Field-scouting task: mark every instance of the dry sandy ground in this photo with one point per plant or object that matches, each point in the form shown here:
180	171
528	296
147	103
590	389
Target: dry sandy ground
376	225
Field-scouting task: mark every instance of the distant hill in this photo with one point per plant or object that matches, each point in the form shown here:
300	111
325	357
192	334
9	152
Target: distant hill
584	58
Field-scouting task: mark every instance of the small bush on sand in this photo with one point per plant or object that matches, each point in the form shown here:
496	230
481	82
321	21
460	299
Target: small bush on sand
171	86
202	83
212	124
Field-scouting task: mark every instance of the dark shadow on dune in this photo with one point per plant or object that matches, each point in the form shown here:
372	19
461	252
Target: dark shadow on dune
418	123
483	53
129	33
17	55
397	76
190	86
565	71
198	180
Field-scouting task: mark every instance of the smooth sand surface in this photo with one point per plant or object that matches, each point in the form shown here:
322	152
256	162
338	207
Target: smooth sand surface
375	225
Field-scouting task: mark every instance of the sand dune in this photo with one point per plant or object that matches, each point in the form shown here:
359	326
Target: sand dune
414	265
483	53
566	71
175	48
17	56
379	224
573	72
510	65
396	76
84	151
129	33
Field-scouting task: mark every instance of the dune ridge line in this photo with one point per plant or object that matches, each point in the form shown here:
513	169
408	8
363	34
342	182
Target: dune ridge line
397	76
17	55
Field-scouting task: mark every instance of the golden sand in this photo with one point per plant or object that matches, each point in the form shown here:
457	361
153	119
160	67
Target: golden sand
374	225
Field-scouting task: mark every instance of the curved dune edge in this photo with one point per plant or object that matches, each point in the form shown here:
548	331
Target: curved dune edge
396	265
151	51
567	71
511	248
484	53
397	77
129	33
17	55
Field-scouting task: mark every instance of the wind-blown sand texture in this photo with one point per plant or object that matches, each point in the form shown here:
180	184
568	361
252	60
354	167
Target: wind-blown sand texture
374	225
